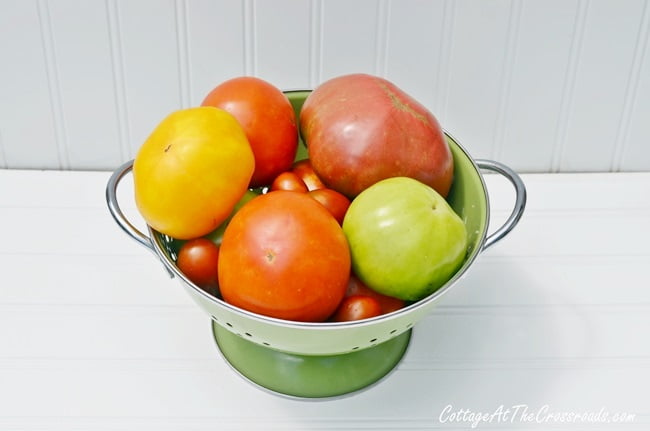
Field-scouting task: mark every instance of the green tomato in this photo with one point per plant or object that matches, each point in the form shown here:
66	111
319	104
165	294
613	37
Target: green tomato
405	240
217	235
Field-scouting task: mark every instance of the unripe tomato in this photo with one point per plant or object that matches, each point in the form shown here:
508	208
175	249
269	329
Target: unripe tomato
191	171
268	119
283	255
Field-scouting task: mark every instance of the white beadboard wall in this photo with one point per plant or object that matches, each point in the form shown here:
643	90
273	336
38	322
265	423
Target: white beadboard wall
544	86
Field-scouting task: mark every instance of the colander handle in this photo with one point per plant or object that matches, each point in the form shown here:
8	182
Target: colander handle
118	215
520	199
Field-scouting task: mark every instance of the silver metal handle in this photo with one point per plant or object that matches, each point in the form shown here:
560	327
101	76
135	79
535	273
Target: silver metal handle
520	199
118	215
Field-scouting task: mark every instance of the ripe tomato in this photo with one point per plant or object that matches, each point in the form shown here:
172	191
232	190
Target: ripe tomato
307	174
356	307
288	181
283	255
191	171
336	203
388	304
198	259
268	119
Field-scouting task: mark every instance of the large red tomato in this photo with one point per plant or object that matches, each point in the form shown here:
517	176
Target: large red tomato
361	129
268	119
283	255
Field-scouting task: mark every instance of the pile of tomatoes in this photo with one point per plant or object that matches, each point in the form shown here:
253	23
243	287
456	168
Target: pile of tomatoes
257	228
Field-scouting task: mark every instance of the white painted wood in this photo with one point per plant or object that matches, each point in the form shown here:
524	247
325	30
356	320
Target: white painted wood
532	107
95	335
348	37
28	107
634	136
415	49
151	52
545	86
216	48
282	43
598	94
84	80
476	77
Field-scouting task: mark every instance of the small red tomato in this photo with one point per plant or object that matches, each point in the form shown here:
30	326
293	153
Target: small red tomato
307	174
198	259
357	307
388	304
288	181
336	203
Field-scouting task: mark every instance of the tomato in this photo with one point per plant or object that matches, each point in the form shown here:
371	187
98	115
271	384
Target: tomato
387	304
288	181
336	203
268	119
198	259
357	307
307	174
283	255
360	129
191	171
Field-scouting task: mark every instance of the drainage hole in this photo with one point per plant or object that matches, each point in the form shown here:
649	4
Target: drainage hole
373	340
265	343
393	331
228	323
355	348
247	334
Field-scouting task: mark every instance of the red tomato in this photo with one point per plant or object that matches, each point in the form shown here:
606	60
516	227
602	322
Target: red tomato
336	203
288	181
198	259
361	129
268	119
307	174
357	307
283	255
388	304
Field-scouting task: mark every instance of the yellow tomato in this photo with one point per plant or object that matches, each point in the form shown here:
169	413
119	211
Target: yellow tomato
191	171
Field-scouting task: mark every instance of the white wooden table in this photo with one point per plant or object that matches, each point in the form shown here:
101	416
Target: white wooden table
551	323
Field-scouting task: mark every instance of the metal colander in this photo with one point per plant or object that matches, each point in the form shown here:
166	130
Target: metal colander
468	197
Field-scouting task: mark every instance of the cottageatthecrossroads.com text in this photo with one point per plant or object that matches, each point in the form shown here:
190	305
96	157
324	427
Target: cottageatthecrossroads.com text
524	414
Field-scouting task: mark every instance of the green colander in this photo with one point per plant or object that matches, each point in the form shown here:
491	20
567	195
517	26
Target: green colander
322	360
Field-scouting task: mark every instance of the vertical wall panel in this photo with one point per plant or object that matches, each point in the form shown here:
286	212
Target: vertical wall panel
601	80
414	48
151	64
27	131
541	60
216	44
479	38
86	84
348	32
635	139
541	85
282	42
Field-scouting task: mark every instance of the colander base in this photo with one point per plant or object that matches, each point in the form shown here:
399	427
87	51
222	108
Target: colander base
307	376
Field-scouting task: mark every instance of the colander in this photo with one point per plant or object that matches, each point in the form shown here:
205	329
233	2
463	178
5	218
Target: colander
330	359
